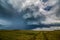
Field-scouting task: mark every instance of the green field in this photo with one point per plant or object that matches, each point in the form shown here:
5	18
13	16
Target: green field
29	35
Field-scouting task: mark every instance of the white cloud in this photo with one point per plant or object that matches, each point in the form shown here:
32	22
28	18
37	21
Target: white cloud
47	29
21	4
5	22
50	15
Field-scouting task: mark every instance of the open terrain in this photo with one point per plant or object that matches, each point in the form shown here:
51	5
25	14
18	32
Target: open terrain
29	35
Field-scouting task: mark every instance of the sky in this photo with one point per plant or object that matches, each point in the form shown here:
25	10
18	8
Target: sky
29	14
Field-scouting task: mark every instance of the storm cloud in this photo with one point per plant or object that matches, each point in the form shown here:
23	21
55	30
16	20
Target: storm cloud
19	14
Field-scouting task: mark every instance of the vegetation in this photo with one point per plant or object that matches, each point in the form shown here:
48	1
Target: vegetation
29	35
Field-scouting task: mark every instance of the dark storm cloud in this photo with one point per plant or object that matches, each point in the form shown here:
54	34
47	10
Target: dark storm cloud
48	8
4	12
44	0
15	14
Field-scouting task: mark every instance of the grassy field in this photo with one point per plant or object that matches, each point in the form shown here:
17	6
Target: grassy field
29	35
